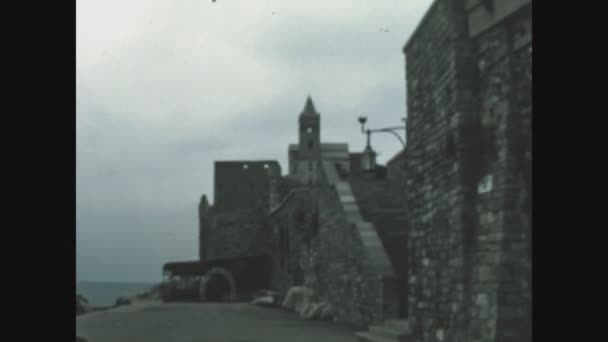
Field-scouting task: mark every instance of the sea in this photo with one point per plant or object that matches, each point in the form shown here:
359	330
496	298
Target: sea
106	293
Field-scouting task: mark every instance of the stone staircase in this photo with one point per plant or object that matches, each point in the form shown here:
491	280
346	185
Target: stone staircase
381	203
392	330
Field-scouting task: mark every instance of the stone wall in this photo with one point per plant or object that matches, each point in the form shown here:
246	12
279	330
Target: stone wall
469	113
503	54
243	184
238	234
293	229
236	225
348	278
438	87
323	245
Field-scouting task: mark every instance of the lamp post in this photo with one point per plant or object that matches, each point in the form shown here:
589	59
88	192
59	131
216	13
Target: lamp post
368	160
369	155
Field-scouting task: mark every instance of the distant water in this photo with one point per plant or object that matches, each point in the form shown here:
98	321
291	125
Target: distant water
105	293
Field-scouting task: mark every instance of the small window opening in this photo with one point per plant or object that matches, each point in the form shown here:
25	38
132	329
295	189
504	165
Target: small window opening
245	166
309	130
265	166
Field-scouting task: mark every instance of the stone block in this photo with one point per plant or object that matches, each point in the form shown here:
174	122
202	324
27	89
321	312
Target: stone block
485	273
481	299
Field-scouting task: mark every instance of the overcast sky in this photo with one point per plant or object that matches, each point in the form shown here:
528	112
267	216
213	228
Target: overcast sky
165	88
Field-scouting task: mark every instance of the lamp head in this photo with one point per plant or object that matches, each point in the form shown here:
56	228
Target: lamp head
368	159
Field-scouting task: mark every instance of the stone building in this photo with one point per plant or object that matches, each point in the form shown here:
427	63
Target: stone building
326	224
235	225
466	171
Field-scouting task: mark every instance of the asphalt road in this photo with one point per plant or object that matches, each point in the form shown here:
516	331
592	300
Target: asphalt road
206	322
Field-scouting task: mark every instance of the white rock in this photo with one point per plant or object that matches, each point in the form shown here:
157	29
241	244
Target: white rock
327	312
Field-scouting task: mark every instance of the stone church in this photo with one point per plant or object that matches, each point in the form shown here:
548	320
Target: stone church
311	224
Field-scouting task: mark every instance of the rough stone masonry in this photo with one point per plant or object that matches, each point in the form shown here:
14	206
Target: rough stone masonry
467	171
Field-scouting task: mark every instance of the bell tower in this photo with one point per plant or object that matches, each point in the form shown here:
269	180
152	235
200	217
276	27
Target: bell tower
310	133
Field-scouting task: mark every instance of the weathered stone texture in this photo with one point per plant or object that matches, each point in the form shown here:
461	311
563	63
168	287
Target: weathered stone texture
243	185
236	224
322	251
237	234
319	246
437	101
469	115
291	223
505	107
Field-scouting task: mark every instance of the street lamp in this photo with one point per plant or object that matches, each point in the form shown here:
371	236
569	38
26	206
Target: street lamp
368	160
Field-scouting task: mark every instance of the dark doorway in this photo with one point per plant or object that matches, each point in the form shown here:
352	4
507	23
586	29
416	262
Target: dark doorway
217	288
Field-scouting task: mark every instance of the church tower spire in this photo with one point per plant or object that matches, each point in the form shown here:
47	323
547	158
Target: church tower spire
309	108
310	132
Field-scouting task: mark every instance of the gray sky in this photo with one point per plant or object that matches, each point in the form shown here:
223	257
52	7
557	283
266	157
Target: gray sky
165	88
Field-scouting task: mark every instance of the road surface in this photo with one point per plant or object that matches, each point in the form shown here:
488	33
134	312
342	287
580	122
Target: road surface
206	322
